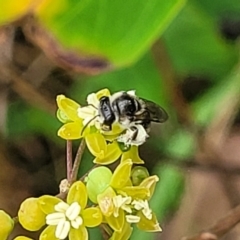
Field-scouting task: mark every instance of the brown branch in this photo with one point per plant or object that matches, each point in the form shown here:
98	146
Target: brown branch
77	161
221	227
206	167
169	77
69	160
26	90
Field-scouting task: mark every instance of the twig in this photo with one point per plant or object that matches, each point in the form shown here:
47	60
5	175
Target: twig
106	231
69	160
168	74
218	230
26	90
192	164
77	161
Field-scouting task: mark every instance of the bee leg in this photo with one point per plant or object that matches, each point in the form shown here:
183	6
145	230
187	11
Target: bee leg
147	126
134	133
106	127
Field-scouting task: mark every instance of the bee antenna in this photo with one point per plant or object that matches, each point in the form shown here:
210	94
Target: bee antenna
88	124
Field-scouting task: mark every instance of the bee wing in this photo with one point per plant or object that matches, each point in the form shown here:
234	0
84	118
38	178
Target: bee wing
157	113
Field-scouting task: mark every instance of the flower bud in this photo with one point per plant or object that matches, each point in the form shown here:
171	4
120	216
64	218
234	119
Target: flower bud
6	224
30	215
97	181
62	117
138	174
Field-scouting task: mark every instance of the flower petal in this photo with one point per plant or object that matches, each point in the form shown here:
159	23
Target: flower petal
78	234
121	174
78	193
133	155
105	201
148	225
135	192
113	152
124	234
116	223
68	106
22	238
92	217
6	224
93	100
114	133
71	131
87	113
96	144
150	183
102	93
48	233
30	215
47	203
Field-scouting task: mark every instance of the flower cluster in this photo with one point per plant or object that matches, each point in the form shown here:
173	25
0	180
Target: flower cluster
113	200
121	203
107	145
79	121
117	203
63	219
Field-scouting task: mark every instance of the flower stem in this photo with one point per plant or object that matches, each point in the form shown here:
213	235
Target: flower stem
16	220
69	160
106	231
77	161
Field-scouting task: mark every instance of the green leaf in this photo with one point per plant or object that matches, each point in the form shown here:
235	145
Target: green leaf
23	120
142	77
221	8
208	105
180	145
195	45
117	31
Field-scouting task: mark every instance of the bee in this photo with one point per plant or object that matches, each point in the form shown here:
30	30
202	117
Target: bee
133	113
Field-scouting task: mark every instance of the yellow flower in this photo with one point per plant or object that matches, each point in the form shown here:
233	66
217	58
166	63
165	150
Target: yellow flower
6	224
30	215
105	153
68	114
108	152
79	121
69	218
132	154
121	203
64	219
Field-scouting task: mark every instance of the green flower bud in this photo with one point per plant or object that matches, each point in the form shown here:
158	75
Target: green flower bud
30	215
6	224
138	174
97	182
62	117
123	147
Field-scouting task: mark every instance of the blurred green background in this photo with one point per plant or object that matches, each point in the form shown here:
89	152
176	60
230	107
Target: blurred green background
183	55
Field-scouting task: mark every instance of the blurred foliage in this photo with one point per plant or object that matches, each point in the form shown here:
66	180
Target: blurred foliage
112	30
123	35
